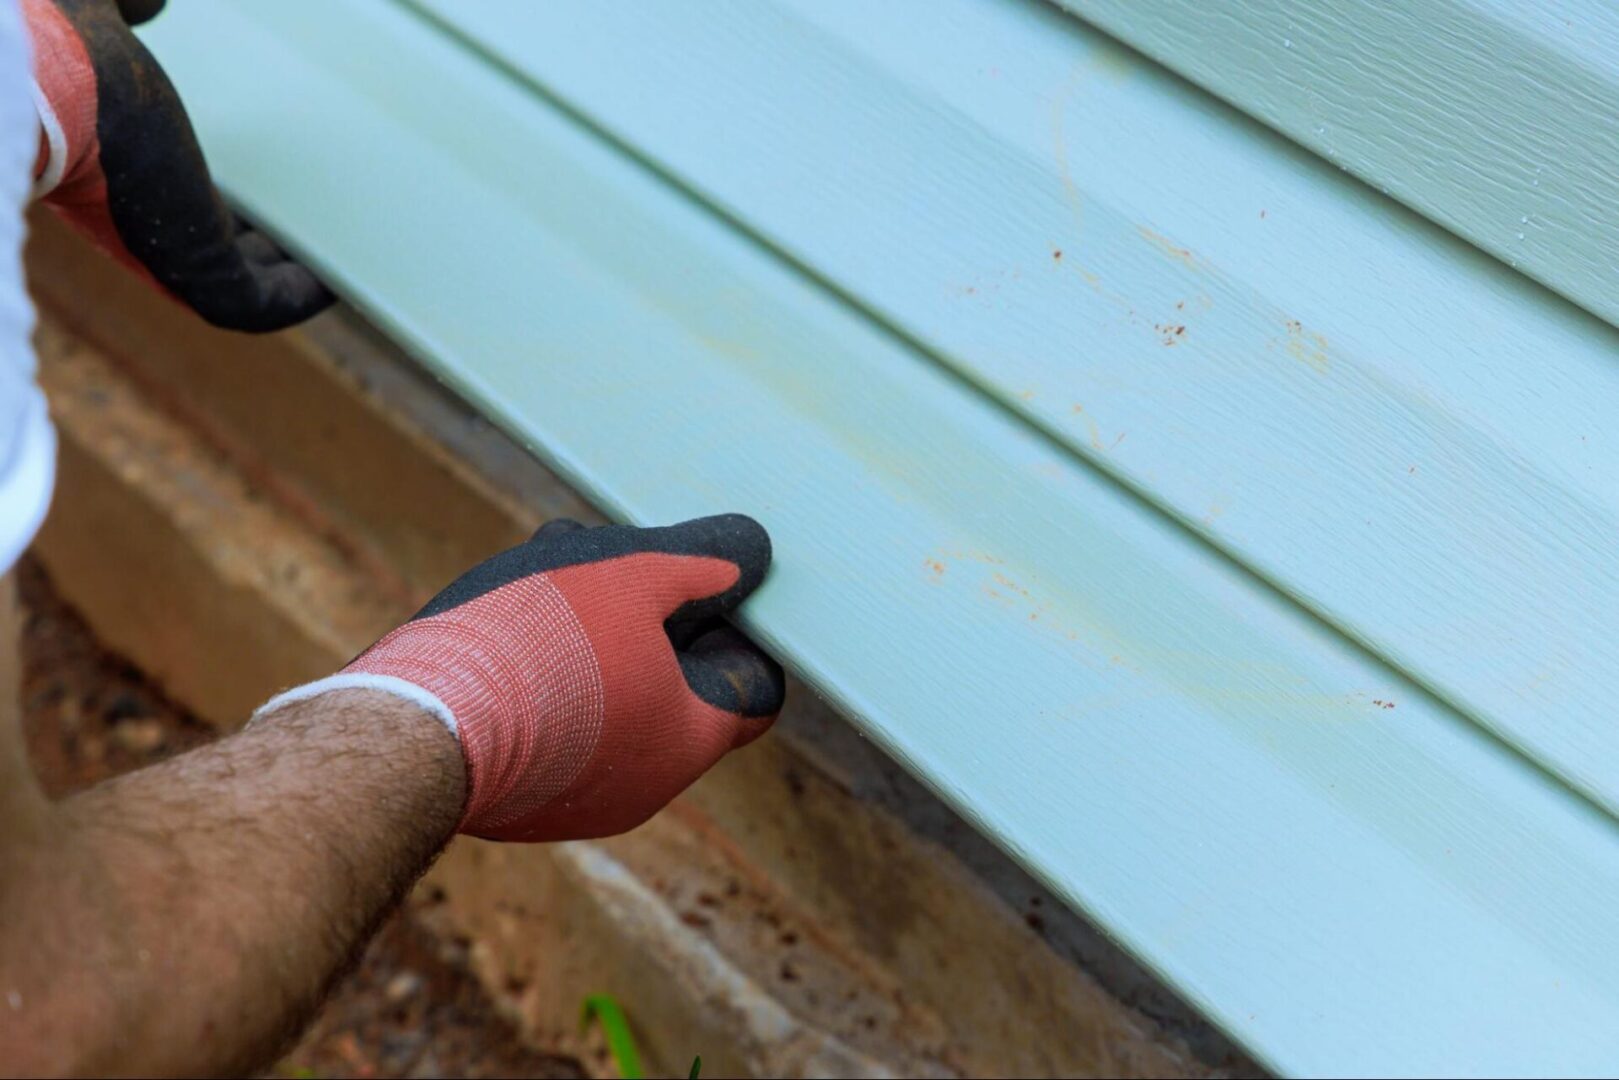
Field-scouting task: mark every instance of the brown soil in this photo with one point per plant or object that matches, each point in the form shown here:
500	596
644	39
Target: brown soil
411	1009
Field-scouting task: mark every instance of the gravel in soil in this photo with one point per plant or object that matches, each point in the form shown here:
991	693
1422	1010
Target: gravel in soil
410	1009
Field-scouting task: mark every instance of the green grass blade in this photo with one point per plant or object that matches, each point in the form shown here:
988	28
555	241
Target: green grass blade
605	1010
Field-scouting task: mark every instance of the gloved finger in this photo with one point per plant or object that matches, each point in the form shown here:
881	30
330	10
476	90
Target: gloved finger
259	249
136	12
702	587
727	671
282	294
682	632
554	528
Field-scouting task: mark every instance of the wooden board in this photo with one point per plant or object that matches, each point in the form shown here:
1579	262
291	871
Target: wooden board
1345	870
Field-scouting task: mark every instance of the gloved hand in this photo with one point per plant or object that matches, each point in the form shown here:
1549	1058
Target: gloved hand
587	673
122	163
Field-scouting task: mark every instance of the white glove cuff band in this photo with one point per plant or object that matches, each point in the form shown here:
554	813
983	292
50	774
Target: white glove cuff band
56	143
359	680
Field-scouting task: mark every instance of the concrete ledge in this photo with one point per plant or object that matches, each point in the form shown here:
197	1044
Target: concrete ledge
182	563
237	515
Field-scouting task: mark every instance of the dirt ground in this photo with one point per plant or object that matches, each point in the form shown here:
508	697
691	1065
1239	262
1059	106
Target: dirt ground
411	1009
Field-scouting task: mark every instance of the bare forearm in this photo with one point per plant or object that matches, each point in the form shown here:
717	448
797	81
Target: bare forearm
188	917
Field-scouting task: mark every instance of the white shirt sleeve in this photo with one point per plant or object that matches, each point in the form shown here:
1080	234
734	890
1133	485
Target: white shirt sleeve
27	443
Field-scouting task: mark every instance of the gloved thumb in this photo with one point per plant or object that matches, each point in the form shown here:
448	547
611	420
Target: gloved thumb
733	538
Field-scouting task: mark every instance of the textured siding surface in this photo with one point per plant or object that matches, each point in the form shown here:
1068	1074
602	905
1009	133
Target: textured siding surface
1495	117
1230	543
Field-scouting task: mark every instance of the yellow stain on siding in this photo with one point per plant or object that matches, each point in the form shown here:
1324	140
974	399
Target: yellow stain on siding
1307	346
1070	190
1091	428
1168	247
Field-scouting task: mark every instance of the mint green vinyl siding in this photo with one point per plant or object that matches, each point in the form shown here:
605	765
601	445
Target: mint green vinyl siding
1230	543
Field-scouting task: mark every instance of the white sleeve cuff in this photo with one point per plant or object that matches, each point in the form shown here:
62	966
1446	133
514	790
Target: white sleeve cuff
359	680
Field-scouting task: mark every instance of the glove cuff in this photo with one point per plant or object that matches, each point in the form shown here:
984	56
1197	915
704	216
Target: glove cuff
362	680
64	89
56	147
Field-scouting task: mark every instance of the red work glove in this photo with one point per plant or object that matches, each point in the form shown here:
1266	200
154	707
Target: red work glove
587	673
122	164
